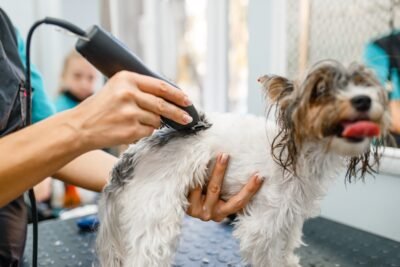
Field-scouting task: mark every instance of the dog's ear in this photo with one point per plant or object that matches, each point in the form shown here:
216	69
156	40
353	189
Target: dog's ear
280	91
277	88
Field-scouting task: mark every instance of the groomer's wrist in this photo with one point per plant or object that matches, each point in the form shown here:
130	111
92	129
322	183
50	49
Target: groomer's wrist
75	125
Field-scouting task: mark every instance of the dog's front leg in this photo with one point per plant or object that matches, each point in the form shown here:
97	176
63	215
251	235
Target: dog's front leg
265	240
294	241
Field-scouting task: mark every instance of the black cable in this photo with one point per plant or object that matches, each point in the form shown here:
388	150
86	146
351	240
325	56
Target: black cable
28	71
48	20
35	231
32	197
72	28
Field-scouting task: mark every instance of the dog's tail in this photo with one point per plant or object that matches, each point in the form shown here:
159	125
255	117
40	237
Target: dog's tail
109	250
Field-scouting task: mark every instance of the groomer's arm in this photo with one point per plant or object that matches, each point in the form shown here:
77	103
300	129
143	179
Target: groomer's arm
395	113
125	110
90	170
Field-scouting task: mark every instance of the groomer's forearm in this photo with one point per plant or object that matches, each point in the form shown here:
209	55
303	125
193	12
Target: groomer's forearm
36	152
90	170
395	113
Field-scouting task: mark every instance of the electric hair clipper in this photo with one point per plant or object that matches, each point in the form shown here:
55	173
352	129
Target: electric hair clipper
109	55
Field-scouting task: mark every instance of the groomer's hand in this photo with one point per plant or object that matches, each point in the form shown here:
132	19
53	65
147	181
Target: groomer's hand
128	108
209	206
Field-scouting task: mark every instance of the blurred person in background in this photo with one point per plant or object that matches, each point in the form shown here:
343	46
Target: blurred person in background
77	82
381	55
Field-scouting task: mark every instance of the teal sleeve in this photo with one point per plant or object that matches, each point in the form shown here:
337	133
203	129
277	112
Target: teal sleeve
377	59
41	104
63	103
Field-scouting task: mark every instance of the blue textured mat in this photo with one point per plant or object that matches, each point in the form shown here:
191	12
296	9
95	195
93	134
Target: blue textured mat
210	244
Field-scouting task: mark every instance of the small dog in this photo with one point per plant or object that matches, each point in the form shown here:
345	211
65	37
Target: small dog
326	121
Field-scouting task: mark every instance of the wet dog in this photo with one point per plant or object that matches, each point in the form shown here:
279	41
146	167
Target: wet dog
334	118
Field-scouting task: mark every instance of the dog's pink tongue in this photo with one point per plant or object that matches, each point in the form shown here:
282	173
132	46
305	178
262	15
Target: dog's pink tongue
360	129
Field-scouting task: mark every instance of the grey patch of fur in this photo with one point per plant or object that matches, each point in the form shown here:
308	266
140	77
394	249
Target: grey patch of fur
123	171
165	135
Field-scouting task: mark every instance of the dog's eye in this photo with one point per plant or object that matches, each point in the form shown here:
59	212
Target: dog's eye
319	90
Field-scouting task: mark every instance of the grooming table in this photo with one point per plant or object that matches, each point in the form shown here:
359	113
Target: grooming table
211	244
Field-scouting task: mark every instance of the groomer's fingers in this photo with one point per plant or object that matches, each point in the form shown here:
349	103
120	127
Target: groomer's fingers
150	119
162	89
239	201
195	202
215	185
161	107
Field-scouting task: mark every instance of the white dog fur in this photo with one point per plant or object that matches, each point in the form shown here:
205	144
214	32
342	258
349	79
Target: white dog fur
142	208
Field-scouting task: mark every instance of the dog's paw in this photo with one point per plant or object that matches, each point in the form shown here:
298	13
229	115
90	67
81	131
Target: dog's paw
293	261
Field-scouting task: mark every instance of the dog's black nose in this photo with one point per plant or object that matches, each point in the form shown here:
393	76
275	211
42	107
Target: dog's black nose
361	102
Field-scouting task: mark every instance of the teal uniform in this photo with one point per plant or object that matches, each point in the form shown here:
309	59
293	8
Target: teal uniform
65	101
41	104
377	58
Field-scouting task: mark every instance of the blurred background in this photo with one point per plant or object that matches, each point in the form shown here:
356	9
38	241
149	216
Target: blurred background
216	49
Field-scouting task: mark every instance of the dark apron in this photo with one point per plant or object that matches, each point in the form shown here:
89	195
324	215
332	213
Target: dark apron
13	100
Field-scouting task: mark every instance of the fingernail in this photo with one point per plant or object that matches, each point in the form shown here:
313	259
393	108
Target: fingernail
224	158
259	178
187	119
187	101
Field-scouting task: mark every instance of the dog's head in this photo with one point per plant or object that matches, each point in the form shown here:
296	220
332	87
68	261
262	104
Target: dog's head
343	108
